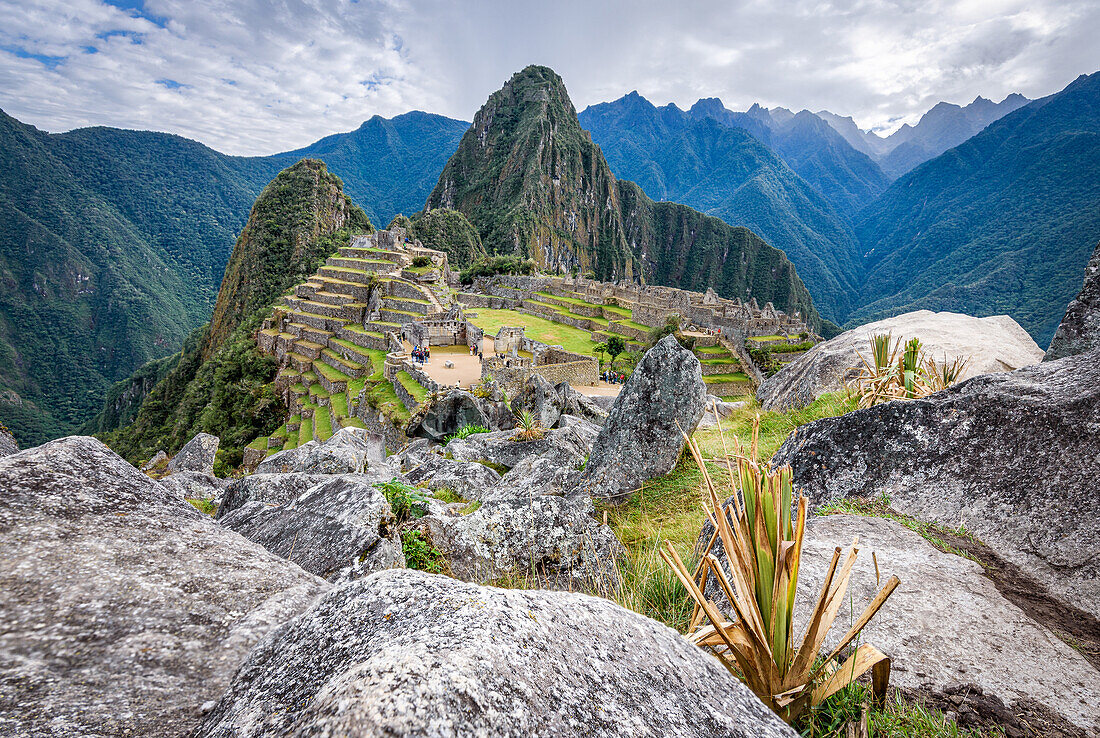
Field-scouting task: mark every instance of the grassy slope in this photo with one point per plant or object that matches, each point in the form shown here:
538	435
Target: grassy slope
539	329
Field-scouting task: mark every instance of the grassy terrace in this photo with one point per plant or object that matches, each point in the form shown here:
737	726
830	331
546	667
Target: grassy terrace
764	339
713	350
413	387
539	329
323	423
720	378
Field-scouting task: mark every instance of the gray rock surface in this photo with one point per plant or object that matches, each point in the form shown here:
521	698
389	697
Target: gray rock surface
1079	331
405	653
587	430
197	455
270	489
124	608
467	479
500	448
160	458
340	529
583	406
995	344
348	451
946	624
195	485
285	462
541	399
642	436
546	540
1013	456
8	446
448	413
718	409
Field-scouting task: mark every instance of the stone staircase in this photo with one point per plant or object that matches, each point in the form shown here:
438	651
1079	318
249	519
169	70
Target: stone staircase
328	343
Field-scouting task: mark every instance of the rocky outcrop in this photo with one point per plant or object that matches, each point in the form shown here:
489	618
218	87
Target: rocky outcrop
348	451
995	344
270	489
124	608
468	479
642	437
197	455
947	625
581	406
407	653
539	398
1079	331
1011	456
447	414
340	529
8	446
195	485
502	448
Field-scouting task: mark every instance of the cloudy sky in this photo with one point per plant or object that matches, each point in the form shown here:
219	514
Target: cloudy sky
258	77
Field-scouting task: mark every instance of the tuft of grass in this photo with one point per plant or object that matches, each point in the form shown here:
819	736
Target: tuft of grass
465	432
448	495
649	587
207	507
407	502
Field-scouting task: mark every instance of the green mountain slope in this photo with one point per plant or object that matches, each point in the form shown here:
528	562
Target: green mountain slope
533	184
1000	224
220	383
728	173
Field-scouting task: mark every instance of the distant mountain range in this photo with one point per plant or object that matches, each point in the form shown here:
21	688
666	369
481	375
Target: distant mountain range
941	128
113	243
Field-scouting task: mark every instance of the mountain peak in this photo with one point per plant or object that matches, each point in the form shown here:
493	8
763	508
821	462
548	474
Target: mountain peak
705	106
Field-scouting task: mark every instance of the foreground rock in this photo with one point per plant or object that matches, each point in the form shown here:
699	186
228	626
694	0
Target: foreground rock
197	455
540	398
1011	456
642	438
503	449
946	625
124	608
996	344
348	451
407	653
1079	331
270	489
340	529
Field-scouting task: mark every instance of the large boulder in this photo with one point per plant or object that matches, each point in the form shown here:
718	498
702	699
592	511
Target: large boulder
195	485
270	489
286	462
406	653
642	437
541	399
502	449
1012	456
124	608
340	529
348	451
446	414
197	455
995	344
1079	331
467	479
582	406
947	625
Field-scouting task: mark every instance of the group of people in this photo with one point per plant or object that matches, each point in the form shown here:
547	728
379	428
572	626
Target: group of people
420	355
613	377
476	351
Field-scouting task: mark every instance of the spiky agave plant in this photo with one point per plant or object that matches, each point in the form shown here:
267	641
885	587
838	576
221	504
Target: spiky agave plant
897	372
763	548
528	428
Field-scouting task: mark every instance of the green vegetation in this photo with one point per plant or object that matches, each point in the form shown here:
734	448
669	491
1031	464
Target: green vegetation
465	432
449	231
897	718
225	387
421	554
491	266
413	387
407	502
206	507
538	328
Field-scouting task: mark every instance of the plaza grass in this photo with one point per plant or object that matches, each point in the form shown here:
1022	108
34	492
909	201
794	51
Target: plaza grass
539	329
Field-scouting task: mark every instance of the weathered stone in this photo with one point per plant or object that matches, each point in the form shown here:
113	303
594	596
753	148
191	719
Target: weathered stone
340	529
994	344
447	414
501	449
197	455
585	429
159	459
583	406
348	451
124	608
8	446
1079	331
195	485
467	479
553	541
642	437
270	489
946	624
285	462
541	399
550	474
1012	456
716	409
405	653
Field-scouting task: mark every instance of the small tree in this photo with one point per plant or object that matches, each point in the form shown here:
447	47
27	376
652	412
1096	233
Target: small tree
600	349
615	346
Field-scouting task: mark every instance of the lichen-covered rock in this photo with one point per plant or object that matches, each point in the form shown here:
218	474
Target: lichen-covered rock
582	406
467	479
160	459
447	414
286	462
502	449
270	489
340	529
642	437
404	653
124	608
540	398
197	455
1013	456
553	541
586	430
348	451
993	344
195	485
1079	331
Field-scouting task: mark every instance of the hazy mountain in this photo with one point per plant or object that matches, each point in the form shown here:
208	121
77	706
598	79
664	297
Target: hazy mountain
532	182
727	172
941	128
1003	223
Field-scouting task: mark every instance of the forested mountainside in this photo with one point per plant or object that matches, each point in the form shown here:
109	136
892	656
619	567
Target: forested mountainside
533	183
1003	223
726	172
220	383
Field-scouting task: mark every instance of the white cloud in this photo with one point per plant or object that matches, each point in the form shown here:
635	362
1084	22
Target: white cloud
256	77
